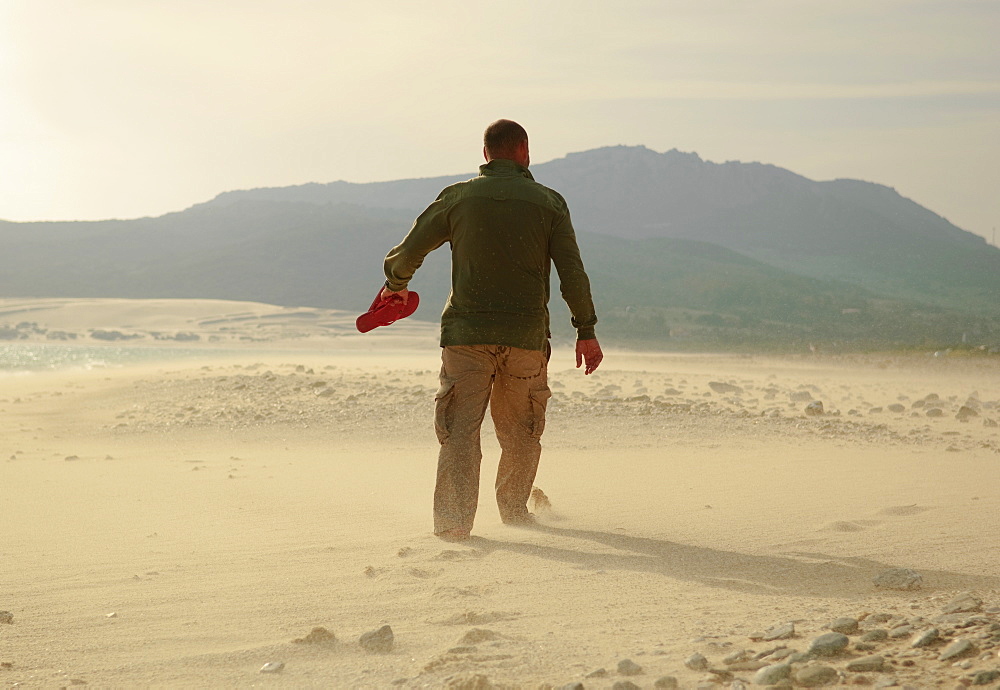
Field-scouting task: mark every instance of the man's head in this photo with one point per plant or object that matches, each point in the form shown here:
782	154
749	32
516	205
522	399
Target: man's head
506	139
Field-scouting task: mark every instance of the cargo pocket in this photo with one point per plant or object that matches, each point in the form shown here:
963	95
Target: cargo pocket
539	399
443	409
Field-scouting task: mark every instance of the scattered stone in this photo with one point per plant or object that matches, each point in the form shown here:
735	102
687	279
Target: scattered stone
985	677
781	653
318	635
965	413
478	636
721	675
950	619
959	649
926	638
964	603
378	641
625	685
901	631
469	682
899	578
272	667
6	618
627	667
666	683
771	675
815	676
814	409
736	657
867	664
829	644
846	626
781	632
696	662
876	635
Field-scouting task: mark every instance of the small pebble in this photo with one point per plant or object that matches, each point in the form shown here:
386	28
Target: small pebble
781	632
815	676
925	638
696	662
829	644
770	675
957	650
627	667
899	578
876	635
846	626
378	641
867	664
625	685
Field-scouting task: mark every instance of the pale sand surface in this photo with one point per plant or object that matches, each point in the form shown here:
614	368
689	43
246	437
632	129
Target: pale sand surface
180	523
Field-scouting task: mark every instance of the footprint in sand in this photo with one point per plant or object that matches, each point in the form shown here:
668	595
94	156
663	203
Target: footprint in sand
423	574
842	526
849	526
453	555
904	511
477	618
455	593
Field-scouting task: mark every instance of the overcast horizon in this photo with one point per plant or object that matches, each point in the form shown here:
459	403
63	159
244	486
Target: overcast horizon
131	108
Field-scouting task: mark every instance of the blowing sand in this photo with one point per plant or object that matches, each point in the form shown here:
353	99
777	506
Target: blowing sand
186	522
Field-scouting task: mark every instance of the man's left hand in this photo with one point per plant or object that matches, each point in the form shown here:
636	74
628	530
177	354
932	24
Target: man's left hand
387	294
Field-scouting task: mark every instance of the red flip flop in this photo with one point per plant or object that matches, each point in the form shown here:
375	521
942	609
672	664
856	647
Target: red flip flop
384	312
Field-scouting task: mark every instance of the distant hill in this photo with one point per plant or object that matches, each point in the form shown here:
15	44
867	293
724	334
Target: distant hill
682	253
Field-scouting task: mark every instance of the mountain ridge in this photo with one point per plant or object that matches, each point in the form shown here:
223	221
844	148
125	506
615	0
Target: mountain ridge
752	248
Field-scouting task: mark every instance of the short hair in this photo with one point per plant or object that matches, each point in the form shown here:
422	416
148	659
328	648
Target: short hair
502	138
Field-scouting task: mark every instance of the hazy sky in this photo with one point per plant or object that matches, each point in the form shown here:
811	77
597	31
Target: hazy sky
126	108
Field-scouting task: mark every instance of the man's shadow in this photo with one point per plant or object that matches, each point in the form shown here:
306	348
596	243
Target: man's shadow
797	573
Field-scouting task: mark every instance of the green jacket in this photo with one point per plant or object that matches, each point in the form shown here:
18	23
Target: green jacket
505	230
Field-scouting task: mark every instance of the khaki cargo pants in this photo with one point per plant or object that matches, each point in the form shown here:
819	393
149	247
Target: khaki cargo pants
514	384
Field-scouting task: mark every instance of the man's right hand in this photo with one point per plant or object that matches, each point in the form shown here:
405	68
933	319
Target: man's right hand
588	351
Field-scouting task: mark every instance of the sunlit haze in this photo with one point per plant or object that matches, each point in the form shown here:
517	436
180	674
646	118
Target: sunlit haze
128	108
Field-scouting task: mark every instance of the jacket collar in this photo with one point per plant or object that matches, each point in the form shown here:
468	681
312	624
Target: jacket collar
501	167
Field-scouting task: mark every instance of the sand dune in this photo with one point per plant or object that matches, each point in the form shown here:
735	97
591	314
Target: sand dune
185	522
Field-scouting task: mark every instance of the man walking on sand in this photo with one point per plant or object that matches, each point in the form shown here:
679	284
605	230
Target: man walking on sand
505	231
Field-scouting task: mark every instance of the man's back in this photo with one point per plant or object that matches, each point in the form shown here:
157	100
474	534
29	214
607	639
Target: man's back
505	231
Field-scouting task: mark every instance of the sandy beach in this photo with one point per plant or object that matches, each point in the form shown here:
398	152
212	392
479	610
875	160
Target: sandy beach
186	521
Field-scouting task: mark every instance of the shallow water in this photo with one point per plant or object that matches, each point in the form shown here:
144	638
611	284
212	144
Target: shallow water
31	357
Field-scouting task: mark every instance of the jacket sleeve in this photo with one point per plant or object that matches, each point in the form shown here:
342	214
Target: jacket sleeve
573	281
430	230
